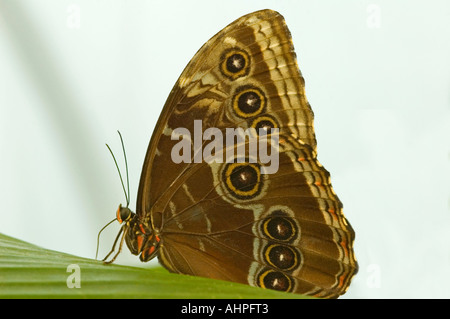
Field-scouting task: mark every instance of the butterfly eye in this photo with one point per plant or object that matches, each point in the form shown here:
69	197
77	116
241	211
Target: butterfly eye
274	280
249	101
243	180
282	257
235	63
279	228
124	214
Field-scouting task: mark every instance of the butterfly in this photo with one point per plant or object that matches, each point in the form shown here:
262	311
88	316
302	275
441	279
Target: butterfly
230	219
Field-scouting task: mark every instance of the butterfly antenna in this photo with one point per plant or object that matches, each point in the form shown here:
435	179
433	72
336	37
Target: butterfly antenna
98	236
118	170
126	168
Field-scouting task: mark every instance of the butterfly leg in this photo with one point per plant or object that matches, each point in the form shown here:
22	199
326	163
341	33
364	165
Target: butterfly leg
120	249
114	247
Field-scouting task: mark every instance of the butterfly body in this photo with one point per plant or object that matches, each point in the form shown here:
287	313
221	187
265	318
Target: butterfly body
230	219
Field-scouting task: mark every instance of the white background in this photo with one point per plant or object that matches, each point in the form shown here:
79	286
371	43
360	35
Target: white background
377	76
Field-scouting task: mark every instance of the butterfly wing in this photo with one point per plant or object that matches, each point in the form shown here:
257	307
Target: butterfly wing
284	231
206	88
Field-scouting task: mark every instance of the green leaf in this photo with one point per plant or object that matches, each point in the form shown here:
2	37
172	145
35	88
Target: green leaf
29	271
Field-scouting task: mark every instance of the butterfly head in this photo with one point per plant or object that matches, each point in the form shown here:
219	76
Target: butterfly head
124	214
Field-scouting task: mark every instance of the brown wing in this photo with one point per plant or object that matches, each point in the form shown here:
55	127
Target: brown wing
283	231
206	88
288	232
